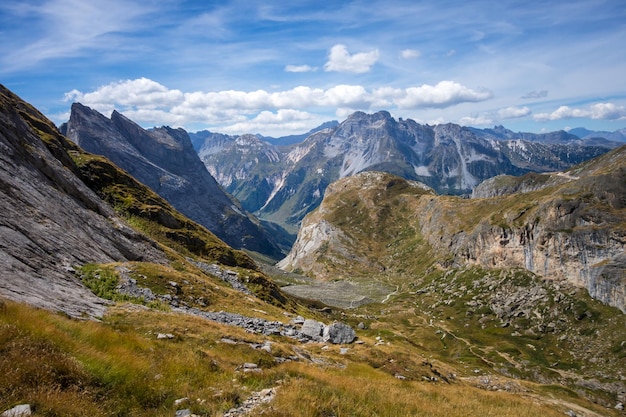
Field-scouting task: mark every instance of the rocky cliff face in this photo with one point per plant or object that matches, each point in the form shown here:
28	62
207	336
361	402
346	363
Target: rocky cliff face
164	160
571	228
284	184
50	221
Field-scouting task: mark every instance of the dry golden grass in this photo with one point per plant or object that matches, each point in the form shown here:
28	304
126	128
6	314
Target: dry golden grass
65	367
360	390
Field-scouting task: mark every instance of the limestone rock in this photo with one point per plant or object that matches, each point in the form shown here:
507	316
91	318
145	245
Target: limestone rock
313	329
21	410
338	334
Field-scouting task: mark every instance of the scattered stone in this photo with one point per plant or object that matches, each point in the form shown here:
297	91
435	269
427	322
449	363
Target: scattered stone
181	400
400	377
343	351
250	368
165	336
619	406
227	275
183	413
255	400
21	410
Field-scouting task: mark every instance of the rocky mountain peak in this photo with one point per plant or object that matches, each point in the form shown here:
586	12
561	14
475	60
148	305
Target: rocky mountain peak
164	159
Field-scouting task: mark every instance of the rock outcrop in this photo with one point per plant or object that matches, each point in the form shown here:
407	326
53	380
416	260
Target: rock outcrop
50	221
164	160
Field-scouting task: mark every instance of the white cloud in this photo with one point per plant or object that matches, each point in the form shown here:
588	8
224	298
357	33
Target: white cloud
444	94
347	95
141	92
150	103
513	112
69	28
340	60
535	94
410	54
476	120
300	68
597	111
283	121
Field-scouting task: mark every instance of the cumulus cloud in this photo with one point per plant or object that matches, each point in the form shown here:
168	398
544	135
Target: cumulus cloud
299	68
149	102
597	111
513	112
410	54
490	118
141	92
535	94
444	94
476	120
340	60
287	120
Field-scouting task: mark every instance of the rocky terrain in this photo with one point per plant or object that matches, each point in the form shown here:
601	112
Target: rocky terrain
164	160
51	221
283	184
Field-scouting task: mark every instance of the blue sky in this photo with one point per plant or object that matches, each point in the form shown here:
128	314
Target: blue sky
277	68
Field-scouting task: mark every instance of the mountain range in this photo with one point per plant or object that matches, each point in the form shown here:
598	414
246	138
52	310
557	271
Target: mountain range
283	184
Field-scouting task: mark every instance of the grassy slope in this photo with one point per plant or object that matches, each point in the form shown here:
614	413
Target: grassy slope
118	367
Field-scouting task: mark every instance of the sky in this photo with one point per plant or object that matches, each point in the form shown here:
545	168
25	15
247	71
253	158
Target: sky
284	67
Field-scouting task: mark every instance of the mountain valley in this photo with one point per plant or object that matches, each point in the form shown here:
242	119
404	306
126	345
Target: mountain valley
399	297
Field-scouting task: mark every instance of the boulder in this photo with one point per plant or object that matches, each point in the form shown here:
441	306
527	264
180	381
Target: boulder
338	334
312	329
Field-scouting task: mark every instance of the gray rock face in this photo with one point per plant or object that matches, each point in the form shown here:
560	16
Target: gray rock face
51	221
338	334
164	160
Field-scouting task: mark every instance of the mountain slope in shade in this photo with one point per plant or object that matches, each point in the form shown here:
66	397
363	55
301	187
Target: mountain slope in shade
50	220
164	160
284	184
